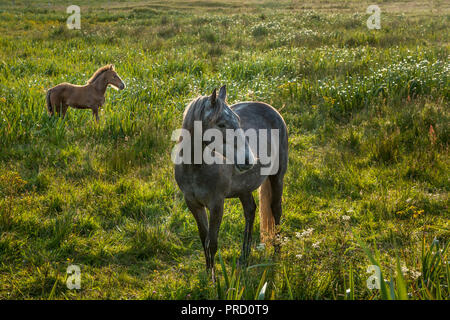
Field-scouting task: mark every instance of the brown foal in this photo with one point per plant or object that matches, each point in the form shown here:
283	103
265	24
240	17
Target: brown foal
89	96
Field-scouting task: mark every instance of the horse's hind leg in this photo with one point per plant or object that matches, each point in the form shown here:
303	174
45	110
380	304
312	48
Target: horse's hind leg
276	182
248	203
61	109
64	110
56	104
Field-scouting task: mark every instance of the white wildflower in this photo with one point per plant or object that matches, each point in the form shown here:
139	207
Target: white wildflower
261	246
305	233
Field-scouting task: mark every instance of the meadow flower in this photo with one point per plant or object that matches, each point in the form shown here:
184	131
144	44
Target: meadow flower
345	218
304	234
415	274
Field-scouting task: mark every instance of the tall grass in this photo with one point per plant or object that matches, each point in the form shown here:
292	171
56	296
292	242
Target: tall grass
367	115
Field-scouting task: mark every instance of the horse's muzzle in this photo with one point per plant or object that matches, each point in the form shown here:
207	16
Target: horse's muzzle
243	167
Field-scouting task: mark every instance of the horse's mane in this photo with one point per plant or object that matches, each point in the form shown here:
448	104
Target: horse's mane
194	112
99	72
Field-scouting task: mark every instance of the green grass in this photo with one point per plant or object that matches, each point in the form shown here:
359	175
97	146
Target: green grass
367	183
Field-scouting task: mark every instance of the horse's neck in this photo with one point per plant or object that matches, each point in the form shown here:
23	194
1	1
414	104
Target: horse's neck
100	84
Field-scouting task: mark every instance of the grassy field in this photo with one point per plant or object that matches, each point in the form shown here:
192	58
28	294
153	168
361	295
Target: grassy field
368	177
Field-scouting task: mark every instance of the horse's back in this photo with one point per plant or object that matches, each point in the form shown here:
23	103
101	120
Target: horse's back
259	115
70	94
66	86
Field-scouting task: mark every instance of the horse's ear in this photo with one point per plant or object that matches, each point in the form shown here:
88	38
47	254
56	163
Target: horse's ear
213	97
223	93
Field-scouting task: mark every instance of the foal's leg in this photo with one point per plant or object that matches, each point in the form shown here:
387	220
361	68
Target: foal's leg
59	107
64	110
248	203
55	103
95	113
201	218
215	219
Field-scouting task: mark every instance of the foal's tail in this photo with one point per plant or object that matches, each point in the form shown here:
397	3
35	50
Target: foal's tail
49	104
267	222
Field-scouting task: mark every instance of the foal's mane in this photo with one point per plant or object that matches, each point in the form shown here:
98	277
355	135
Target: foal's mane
99	72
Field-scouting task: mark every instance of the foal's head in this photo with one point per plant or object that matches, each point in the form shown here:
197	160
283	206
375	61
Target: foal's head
218	115
113	78
108	76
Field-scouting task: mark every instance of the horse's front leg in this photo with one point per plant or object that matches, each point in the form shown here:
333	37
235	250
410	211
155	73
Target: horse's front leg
215	219
201	218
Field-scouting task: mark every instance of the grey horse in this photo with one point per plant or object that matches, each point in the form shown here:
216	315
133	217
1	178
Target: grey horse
207	185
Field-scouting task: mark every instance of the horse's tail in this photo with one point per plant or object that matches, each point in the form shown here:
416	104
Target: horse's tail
49	103
267	221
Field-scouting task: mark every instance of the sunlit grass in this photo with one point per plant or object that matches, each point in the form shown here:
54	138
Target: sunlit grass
367	184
